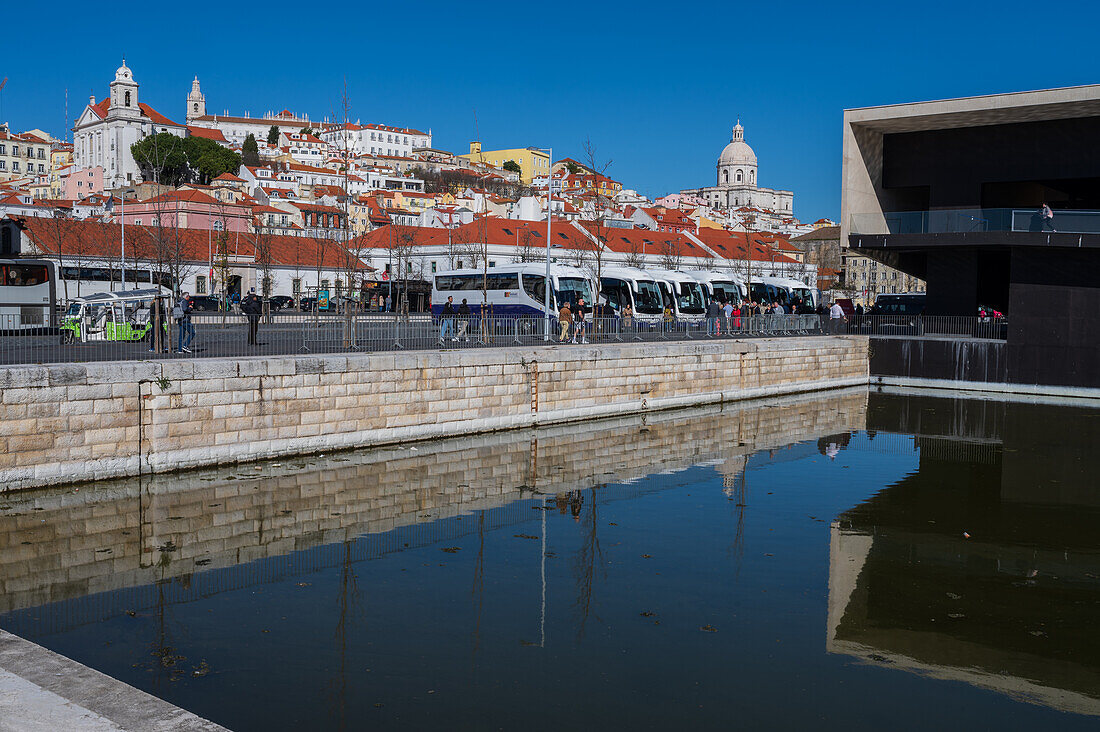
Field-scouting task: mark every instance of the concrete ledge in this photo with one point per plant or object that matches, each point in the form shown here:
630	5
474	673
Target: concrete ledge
1072	392
42	690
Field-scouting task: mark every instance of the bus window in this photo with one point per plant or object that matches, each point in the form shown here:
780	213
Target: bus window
690	299
572	289
615	292
648	298
535	287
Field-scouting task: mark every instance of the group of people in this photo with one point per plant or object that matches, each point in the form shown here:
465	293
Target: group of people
572	318
252	307
452	315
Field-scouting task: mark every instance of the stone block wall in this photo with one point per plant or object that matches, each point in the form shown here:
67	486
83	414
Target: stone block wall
66	423
62	543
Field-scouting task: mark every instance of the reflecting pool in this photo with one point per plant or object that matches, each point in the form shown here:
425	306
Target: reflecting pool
847	559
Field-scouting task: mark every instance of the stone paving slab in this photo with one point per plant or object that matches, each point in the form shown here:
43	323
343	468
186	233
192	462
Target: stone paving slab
43	690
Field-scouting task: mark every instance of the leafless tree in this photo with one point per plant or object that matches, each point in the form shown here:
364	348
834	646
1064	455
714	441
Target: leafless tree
601	228
527	249
669	253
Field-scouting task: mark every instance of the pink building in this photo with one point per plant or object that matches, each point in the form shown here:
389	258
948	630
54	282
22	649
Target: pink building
79	184
188	209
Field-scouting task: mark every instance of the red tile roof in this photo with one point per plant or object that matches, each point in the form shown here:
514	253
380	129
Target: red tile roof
207	132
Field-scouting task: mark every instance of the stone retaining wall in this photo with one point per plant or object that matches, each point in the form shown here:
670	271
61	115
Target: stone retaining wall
62	544
73	422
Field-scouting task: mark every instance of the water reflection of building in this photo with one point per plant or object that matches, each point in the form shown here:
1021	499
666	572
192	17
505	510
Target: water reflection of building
61	545
982	566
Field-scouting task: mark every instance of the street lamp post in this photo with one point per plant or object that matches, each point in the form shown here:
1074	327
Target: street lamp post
549	219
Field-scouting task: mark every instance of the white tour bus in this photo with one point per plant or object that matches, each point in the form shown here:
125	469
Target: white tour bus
638	288
685	294
721	286
27	294
794	295
510	290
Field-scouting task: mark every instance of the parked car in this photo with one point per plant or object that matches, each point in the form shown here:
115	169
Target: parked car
306	304
205	303
281	302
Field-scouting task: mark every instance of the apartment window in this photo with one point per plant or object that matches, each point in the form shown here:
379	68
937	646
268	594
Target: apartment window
41	154
3	149
219	225
138	221
14	149
15	165
41	168
3	164
155	221
200	285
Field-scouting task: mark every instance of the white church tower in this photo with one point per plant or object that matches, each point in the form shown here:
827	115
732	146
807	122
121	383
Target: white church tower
196	102
124	95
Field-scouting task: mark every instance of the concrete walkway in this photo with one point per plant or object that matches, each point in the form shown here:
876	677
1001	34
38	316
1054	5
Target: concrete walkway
43	691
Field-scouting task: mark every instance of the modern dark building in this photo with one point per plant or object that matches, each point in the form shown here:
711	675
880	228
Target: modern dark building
951	192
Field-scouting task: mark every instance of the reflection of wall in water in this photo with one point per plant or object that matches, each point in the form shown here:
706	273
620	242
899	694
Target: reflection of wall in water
105	537
1013	607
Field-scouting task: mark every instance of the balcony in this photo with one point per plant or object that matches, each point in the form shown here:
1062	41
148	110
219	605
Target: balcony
974	221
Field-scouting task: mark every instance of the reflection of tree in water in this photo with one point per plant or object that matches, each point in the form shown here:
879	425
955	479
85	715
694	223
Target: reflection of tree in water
589	555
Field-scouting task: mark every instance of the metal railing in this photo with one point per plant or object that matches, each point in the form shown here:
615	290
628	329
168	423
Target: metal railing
25	340
973	220
924	326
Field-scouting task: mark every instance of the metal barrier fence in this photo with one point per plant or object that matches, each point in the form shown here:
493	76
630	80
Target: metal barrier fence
35	340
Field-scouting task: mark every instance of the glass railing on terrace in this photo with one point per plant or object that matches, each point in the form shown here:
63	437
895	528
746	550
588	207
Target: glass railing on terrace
975	220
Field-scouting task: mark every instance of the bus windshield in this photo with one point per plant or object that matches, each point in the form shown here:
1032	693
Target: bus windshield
727	292
690	299
572	289
802	298
648	297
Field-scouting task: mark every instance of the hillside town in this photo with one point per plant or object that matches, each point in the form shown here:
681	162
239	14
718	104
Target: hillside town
220	203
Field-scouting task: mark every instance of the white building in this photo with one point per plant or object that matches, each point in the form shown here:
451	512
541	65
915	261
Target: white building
736	181
375	139
105	131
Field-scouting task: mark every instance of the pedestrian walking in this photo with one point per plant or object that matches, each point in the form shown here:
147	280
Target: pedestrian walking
252	307
464	321
447	321
713	310
565	317
727	311
579	323
185	331
235	303
1046	217
836	317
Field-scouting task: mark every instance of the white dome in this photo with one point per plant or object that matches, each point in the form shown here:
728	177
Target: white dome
738	151
123	73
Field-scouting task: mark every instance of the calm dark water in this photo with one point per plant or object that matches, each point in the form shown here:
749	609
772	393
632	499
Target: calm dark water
845	561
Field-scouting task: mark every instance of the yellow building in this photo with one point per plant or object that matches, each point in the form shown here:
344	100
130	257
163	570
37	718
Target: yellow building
532	162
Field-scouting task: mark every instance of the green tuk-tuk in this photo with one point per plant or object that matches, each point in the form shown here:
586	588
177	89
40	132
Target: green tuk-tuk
113	316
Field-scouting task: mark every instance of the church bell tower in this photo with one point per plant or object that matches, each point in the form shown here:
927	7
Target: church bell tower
196	102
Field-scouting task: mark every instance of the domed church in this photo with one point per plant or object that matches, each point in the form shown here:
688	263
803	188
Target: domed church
735	186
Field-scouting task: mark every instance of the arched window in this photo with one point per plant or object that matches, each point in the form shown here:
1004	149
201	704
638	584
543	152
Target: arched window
739	176
127	102
752	176
725	176
196	107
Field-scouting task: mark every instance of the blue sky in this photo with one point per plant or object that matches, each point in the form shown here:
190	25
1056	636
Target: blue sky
655	86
